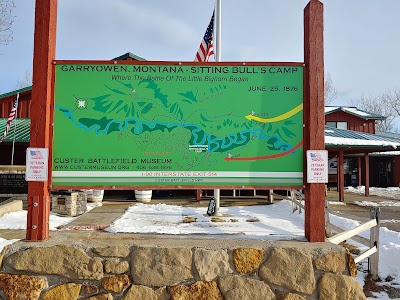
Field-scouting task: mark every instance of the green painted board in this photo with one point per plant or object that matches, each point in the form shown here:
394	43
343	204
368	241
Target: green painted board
177	125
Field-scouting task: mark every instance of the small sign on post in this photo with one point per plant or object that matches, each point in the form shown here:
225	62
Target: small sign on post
317	166
36	164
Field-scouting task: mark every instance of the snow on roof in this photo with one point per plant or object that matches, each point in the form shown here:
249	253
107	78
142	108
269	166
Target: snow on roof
341	137
329	109
387	153
354	111
337	141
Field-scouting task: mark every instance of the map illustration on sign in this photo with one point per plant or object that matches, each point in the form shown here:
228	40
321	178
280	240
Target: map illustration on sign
177	125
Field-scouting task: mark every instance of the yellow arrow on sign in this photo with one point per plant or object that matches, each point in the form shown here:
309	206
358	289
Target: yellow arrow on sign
278	118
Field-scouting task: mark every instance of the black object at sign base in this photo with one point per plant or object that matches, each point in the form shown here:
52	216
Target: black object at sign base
211	207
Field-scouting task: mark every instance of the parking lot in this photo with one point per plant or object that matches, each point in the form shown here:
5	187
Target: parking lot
358	207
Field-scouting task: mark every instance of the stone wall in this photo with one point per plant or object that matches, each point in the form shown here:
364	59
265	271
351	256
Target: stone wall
151	268
69	203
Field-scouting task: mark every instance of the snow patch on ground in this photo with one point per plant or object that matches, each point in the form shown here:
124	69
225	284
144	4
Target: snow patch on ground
17	219
390	192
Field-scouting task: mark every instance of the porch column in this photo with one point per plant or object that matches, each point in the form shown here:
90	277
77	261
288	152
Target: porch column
396	171
366	161
359	171
198	195
340	166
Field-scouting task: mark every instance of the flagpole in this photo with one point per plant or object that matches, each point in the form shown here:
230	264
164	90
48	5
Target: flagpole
218	31
218	59
15	127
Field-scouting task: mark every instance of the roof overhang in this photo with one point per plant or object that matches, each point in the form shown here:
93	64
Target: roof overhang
13	94
353	111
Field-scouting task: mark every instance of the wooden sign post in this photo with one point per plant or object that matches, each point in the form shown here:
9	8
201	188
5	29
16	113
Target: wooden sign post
43	55
314	116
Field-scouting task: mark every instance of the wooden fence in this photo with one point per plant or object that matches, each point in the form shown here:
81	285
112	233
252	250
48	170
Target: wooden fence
373	243
341	235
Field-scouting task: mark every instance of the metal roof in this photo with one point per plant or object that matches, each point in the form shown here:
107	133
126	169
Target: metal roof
129	55
28	88
335	137
389	134
21	127
353	111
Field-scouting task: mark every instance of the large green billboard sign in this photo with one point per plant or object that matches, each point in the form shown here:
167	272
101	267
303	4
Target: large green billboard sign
177	125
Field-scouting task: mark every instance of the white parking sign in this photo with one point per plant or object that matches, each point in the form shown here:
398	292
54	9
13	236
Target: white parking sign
36	164
317	166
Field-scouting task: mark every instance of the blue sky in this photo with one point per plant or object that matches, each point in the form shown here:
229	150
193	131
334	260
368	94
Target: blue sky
361	37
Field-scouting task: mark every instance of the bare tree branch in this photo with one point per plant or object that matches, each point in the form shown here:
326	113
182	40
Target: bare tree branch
377	106
392	99
6	21
330	91
25	81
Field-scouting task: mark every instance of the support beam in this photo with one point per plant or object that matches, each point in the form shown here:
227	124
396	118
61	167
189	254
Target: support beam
217	203
43	54
314	116
396	171
198	195
337	172
366	162
359	171
340	165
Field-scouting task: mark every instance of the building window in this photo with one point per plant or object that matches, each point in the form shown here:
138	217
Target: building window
339	125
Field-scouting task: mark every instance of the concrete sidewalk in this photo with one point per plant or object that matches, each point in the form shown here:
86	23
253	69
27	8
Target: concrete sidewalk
333	195
389	215
99	217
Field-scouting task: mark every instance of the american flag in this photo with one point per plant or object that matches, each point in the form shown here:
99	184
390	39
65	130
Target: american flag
35	154
316	157
206	48
11	117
